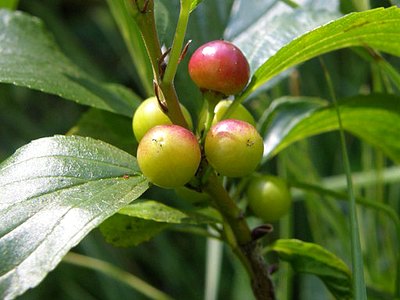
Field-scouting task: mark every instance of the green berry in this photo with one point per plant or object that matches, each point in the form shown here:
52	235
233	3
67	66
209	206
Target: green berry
233	148
169	155
268	197
149	114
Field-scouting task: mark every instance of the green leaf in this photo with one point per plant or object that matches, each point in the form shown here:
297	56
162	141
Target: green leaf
272	30
159	212
30	58
373	118
108	127
375	28
134	42
10	4
313	259
54	192
125	231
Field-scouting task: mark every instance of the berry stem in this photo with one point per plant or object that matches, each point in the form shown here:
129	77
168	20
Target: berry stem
143	14
247	249
177	44
211	98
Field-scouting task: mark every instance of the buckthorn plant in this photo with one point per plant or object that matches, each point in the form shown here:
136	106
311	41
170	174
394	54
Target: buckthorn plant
217	142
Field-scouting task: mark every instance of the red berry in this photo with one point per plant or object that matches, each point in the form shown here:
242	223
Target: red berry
219	66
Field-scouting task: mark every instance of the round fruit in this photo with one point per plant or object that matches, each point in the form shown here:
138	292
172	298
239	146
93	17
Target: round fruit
219	66
149	114
269	197
168	155
233	148
240	113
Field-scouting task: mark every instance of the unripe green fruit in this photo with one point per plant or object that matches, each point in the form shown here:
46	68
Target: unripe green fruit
219	66
169	155
149	114
240	113
233	148
268	197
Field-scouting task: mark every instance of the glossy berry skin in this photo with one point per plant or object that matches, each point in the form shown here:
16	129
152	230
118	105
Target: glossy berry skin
168	155
268	197
233	148
219	66
149	114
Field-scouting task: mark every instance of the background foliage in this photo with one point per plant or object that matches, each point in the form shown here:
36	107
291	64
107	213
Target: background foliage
175	261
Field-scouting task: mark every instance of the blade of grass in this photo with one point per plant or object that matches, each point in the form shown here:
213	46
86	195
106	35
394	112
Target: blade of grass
116	273
213	267
359	287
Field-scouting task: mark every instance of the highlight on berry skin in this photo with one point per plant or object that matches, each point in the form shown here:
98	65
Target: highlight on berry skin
233	148
219	66
169	155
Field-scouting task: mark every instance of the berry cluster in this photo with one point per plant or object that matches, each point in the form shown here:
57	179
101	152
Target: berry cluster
169	155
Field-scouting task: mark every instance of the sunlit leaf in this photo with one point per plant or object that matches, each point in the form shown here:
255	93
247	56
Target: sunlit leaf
159	212
278	26
30	58
374	28
373	118
313	259
54	192
108	127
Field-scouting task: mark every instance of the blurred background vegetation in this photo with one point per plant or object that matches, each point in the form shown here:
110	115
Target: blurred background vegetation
175	261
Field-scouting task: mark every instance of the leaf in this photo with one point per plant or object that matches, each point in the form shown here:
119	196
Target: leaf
125	231
244	16
373	118
108	127
134	42
54	192
313	259
375	28
272	30
10	4
159	212
30	58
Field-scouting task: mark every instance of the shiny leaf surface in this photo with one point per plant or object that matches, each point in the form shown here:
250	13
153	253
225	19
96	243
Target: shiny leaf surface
373	118
311	258
373	28
54	192
30	58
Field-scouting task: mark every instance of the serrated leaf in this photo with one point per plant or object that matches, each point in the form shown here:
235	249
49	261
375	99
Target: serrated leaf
373	118
159	212
313	259
108	127
54	192
29	57
375	28
125	231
